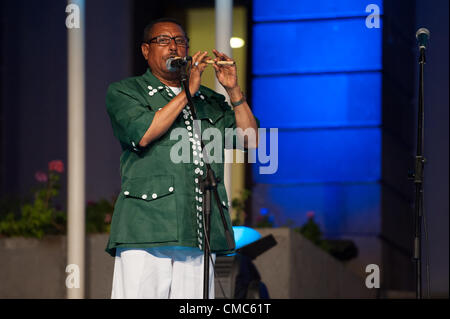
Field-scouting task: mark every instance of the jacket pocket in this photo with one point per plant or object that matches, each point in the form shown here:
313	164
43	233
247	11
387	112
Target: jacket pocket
149	188
149	210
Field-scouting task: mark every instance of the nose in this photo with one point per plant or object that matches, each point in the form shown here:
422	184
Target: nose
172	45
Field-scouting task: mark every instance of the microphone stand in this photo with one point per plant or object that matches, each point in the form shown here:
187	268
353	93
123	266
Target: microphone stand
207	185
418	178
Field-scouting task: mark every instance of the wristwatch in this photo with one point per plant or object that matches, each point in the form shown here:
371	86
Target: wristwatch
234	104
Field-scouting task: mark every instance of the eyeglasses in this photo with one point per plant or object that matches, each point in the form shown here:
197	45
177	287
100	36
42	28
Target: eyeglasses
164	40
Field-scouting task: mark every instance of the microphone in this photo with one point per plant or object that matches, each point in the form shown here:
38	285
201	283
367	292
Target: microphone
173	64
422	36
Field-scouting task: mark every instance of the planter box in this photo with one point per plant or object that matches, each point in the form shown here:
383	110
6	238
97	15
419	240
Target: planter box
294	268
33	268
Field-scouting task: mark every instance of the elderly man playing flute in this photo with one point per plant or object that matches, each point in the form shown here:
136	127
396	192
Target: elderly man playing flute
157	235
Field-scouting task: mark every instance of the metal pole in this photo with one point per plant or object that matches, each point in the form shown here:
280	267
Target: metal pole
224	30
418	180
76	157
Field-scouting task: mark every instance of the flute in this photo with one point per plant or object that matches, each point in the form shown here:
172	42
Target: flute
220	62
211	61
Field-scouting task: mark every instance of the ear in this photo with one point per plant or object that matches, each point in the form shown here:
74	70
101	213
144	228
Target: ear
145	50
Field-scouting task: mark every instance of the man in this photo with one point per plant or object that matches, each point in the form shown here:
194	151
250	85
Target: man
157	226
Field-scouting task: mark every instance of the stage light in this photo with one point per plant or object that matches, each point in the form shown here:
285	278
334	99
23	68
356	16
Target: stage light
236	43
236	275
244	236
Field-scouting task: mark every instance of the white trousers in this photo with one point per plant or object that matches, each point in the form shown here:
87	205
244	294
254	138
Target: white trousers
160	273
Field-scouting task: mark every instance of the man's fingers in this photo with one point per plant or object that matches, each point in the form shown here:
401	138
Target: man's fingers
226	57
197	56
200	58
202	54
218	54
203	57
222	55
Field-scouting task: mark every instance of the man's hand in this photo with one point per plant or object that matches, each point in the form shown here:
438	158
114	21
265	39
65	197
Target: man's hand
198	66
226	74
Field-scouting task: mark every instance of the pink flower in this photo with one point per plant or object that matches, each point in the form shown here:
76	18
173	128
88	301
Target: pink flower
108	218
310	214
56	166
41	177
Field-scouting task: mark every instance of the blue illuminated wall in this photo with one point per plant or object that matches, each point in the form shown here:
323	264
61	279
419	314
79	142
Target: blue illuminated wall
317	78
337	93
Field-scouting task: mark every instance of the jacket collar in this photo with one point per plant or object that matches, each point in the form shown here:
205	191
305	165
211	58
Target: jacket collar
150	79
200	98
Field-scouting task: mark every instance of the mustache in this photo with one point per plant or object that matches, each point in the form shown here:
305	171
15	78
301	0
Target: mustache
173	55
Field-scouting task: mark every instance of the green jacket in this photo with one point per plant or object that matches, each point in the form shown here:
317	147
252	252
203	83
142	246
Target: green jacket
159	200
